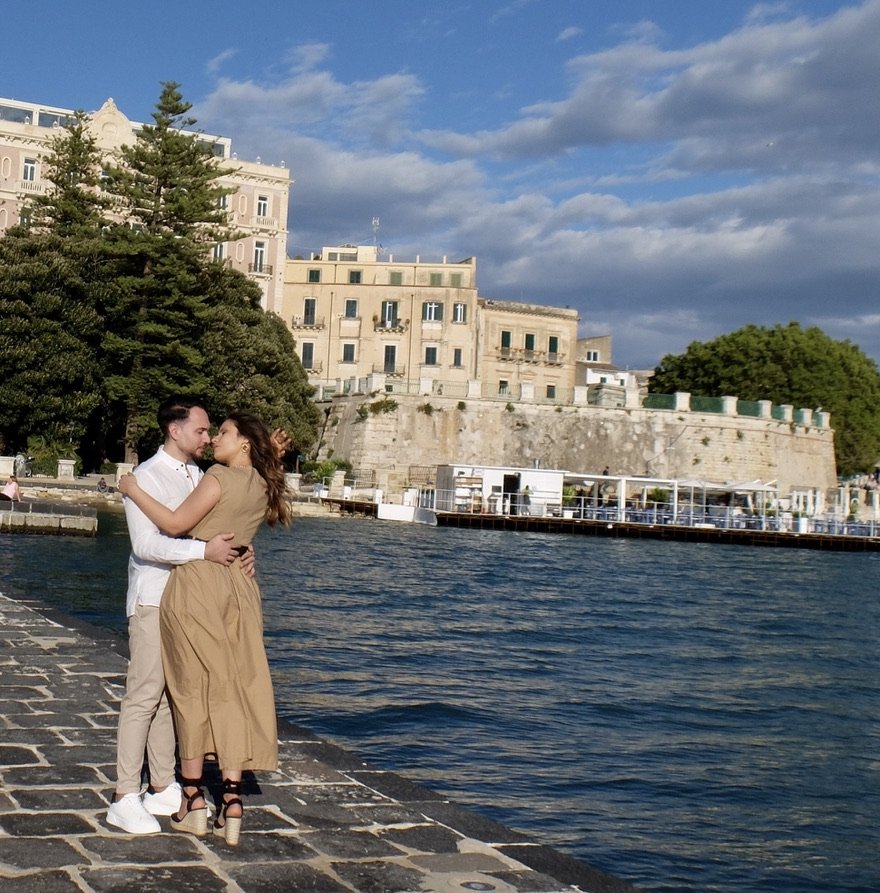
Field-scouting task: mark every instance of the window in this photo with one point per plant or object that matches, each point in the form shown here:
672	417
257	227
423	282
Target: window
354	277
505	343
390	359
348	353
259	256
529	342
459	312
395	277
553	344
310	305
503	387
389	314
222	202
432	311
455	280
29	171
351	308
436	279
551	391
307	355
456	357
314	275
220	251
592	356
262	206
430	356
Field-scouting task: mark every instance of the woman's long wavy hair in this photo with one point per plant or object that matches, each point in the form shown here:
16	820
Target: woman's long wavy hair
267	465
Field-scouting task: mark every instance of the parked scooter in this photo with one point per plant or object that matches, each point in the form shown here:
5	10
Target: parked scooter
24	466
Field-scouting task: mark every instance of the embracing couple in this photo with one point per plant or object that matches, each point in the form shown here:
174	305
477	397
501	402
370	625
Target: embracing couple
197	662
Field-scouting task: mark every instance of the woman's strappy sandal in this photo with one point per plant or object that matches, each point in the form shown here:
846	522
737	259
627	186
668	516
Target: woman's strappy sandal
231	827
195	820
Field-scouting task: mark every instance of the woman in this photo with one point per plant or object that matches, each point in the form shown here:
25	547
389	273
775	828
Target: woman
11	490
212	625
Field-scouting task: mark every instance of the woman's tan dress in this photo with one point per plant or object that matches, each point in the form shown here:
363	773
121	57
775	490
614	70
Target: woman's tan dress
212	640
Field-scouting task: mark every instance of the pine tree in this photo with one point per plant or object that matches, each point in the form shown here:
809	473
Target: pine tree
109	300
169	200
254	365
50	275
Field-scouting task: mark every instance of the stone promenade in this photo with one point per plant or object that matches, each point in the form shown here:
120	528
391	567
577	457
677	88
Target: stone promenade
325	822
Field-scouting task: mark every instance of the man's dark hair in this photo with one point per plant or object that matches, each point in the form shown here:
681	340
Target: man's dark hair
175	409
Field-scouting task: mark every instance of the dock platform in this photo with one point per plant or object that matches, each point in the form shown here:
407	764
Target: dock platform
325	822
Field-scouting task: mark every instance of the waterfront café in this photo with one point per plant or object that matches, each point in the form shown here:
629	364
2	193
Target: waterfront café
649	500
544	492
497	490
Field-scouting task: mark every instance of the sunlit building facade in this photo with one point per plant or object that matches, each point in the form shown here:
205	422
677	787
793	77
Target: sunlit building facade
365	323
257	207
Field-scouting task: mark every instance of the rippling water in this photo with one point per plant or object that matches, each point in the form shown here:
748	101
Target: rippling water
689	717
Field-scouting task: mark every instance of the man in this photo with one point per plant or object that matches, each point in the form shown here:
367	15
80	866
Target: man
144	714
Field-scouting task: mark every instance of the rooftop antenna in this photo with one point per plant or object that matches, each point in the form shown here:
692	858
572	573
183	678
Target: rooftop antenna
376	244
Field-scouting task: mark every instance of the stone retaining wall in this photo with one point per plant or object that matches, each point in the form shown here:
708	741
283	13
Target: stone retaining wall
677	443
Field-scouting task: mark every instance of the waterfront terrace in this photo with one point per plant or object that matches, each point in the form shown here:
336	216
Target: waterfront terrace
326	821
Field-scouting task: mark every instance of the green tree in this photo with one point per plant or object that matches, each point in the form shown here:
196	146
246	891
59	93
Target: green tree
169	198
252	359
109	301
74	206
788	364
49	374
50	273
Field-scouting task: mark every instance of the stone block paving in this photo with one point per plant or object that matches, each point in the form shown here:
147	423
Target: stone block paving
325	822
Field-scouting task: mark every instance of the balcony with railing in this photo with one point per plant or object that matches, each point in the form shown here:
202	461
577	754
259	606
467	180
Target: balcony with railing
389	369
309	321
527	355
32	187
264	222
390	325
261	269
315	369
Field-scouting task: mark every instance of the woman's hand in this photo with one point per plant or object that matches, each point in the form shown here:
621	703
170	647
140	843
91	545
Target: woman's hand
281	441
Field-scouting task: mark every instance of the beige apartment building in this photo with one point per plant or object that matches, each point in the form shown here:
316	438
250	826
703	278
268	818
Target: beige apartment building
257	208
366	324
361	322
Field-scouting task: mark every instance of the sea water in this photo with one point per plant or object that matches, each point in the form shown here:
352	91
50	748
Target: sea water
687	717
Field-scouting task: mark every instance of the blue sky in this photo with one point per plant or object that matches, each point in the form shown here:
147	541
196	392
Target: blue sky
674	170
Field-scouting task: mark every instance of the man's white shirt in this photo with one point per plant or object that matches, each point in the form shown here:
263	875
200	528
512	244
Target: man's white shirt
152	552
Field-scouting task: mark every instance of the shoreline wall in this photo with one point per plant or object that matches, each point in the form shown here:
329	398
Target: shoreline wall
657	443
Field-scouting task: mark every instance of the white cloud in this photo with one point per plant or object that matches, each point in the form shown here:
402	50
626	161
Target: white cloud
569	33
214	65
670	195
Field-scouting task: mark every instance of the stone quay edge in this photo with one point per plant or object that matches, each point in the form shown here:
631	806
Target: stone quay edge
325	822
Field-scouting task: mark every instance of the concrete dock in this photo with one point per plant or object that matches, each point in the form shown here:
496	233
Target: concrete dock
326	822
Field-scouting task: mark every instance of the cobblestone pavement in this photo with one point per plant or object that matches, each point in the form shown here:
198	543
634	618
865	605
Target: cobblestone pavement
325	822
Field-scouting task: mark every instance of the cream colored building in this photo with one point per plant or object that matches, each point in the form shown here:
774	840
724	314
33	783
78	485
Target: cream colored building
355	316
257	208
527	351
363	323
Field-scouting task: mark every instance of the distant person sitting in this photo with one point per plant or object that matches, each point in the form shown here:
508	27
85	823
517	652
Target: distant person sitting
102	486
11	490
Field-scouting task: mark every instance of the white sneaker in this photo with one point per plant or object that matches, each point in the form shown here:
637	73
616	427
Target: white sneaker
129	814
165	802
